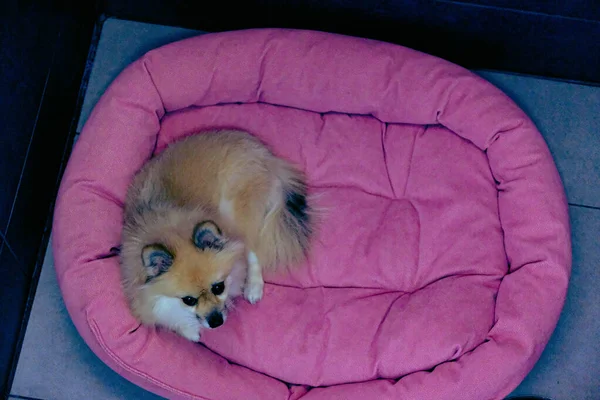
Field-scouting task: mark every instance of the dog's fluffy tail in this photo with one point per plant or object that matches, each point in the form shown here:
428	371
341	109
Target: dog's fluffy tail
287	229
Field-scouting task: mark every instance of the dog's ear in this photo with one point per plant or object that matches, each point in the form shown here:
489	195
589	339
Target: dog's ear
207	235
157	260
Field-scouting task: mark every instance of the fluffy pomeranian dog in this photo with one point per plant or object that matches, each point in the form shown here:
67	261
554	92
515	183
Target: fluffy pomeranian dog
201	221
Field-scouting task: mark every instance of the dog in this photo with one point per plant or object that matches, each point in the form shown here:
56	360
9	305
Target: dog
201	221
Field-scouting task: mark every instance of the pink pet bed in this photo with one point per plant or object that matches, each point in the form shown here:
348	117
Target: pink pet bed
438	271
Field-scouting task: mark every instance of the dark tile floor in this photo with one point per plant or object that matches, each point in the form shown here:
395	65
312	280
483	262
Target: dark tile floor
37	38
56	364
42	57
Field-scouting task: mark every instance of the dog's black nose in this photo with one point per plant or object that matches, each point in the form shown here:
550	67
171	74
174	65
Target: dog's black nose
214	319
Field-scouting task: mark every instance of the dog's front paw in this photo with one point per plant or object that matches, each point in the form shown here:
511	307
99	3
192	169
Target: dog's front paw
191	333
254	290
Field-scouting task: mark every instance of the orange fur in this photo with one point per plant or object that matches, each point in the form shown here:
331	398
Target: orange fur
256	200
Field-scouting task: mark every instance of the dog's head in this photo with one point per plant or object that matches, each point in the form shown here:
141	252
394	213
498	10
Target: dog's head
197	272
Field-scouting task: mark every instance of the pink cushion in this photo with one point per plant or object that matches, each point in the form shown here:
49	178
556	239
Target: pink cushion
439	268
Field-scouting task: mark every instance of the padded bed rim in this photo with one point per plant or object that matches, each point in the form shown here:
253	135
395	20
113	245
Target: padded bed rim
371	78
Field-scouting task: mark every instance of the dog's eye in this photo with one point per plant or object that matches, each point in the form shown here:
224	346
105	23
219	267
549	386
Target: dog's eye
218	288
189	301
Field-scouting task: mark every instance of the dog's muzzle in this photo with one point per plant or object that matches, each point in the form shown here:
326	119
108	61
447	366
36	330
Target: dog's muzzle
214	319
